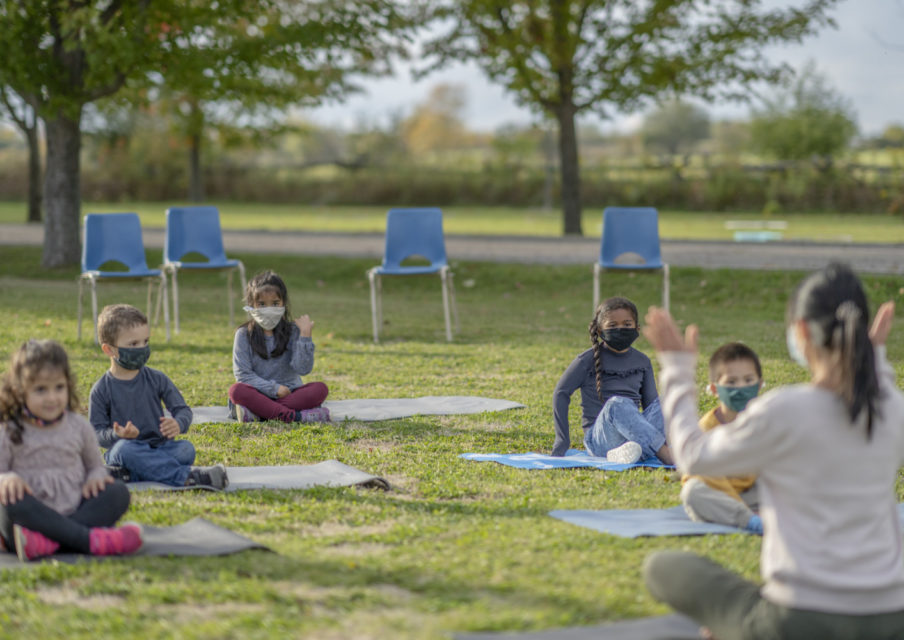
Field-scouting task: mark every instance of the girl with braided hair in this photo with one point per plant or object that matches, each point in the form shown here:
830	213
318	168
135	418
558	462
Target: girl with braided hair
622	419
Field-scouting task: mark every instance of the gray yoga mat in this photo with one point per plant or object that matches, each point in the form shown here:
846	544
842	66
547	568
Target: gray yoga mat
197	537
634	523
373	409
330	473
671	627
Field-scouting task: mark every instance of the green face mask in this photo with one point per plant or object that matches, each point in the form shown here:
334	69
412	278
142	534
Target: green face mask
736	398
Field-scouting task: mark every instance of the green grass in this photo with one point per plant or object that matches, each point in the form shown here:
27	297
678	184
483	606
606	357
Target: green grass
456	545
508	221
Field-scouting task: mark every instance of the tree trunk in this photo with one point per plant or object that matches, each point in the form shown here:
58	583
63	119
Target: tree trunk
61	191
195	178
570	172
34	172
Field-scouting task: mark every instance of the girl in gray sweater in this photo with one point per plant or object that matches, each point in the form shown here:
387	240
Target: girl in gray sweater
270	354
55	492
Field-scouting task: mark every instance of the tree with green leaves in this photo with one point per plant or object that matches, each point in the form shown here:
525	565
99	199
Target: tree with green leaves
675	126
566	57
806	120
61	55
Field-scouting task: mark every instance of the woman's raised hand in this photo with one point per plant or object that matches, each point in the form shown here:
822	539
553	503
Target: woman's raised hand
878	332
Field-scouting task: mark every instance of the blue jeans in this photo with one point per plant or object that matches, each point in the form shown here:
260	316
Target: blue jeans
168	463
621	421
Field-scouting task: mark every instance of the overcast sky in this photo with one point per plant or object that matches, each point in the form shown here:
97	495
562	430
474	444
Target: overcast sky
863	59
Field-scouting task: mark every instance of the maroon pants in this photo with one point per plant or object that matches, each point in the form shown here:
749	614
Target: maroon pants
307	396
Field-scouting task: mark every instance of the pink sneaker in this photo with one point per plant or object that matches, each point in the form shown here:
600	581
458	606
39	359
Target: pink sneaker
118	541
31	544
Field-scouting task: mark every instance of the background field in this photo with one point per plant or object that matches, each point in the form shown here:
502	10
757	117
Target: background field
456	545
831	227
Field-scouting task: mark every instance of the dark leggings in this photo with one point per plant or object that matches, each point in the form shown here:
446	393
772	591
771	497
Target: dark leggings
307	396
72	531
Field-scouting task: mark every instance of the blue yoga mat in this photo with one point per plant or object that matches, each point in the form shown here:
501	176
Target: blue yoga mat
573	458
635	523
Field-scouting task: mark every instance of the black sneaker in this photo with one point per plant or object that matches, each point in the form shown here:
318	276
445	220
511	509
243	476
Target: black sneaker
214	477
119	473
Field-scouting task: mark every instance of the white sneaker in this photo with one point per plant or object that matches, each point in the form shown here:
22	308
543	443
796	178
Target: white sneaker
628	453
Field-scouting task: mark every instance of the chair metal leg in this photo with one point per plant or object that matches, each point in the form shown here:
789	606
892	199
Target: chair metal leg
596	286
372	277
151	318
173	269
81	284
443	276
242	283
665	287
159	301
454	303
163	295
94	307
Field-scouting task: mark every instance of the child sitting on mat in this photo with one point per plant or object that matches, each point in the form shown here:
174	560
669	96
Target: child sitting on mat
55	492
126	413
616	382
270	354
827	455
735	375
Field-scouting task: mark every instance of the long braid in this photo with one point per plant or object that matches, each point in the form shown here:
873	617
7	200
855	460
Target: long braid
596	342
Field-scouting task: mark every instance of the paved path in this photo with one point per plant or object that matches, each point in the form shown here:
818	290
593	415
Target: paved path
804	256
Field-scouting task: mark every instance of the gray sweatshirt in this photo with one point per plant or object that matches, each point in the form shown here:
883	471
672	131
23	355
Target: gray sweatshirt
832	538
266	375
139	400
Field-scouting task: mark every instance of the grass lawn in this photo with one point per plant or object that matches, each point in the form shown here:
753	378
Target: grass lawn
509	221
456	545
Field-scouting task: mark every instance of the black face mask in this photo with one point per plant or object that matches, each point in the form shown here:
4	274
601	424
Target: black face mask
619	339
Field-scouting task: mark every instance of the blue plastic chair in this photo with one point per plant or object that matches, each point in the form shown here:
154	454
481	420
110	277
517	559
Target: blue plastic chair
197	230
630	241
117	237
413	232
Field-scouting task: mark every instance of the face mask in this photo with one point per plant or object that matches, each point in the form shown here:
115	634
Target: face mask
133	358
619	339
794	349
736	398
266	317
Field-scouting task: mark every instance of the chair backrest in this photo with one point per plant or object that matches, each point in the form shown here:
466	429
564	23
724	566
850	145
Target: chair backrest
193	230
414	232
630	230
113	236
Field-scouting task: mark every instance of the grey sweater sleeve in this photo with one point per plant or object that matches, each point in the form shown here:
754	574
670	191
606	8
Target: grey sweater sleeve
242	364
302	356
570	381
99	414
175	403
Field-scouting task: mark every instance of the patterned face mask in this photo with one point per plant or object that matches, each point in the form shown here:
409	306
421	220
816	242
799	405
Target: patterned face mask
132	358
266	317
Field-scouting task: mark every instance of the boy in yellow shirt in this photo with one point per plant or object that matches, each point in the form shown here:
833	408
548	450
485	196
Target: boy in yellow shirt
736	377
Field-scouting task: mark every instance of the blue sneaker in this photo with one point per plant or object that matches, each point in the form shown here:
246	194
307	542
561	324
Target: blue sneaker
754	525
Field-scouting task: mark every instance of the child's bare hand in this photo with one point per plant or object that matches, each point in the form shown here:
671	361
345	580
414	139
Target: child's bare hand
169	428
129	432
664	335
92	487
305	325
282	391
878	333
12	489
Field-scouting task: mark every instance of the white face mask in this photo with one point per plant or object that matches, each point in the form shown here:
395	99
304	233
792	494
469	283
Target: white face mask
794	349
266	317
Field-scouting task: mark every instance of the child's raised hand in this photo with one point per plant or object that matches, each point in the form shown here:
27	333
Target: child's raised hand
12	489
92	487
169	428
128	432
305	325
878	332
664	335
